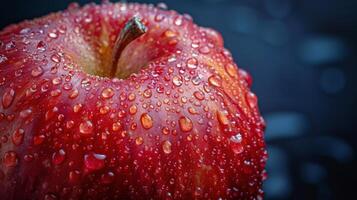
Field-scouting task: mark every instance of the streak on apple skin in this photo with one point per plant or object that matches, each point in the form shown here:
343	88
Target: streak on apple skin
184	126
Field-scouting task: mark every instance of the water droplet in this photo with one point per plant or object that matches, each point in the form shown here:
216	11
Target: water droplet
116	126
159	17
52	35
94	161
86	127
10	159
50	196
38	139
252	99
133	109
199	95
231	70
147	93
236	144
166	147
215	81
165	131
192	63
178	21
185	124
74	176
107	93
146	121
41	46
131	97
58	157
25	113
18	137
2	59
222	118
139	140
37	71
8	98
55	58
73	94
204	50
57	81
77	108
56	92
107	178
177	80
69	124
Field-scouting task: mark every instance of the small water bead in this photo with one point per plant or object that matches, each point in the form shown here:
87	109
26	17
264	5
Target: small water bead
38	139
107	93
131	97
185	124
222	118
252	99
41	46
77	108
192	63
104	110
107	178
10	159
166	147
204	50
94	161
69	124
2	58
139	140
18	137
178	21
73	94
199	95
231	70
236	144
165	131
57	81
36	72
116	126
55	58
146	121
147	93
192	110
53	35
86	128
58	157
214	81
8	98
159	17
25	113
133	109
56	92
177	80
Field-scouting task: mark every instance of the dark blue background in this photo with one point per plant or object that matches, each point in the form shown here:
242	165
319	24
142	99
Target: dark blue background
301	54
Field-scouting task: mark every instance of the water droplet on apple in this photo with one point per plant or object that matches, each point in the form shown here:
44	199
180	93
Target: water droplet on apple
77	108
10	159
252	99
178	21
55	58
222	118
199	95
147	93
25	113
215	81
73	94
192	63
38	139
58	157
166	147
116	126
236	144
86	127
52	35
159	17
133	109
185	124
165	131
107	178
37	71
177	80
231	70
41	46
2	59
131	97
139	140
204	50
107	93
146	121
94	161
18	136
8	98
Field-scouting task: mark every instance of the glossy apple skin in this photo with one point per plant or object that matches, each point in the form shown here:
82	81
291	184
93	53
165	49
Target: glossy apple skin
185	126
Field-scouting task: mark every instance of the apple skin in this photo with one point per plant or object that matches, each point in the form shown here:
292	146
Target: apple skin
180	124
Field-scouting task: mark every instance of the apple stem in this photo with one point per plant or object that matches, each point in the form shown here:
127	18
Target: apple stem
132	30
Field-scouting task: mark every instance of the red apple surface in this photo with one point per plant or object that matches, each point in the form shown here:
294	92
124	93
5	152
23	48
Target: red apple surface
89	110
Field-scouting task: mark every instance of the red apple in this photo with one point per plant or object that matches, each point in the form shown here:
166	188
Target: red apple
125	101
